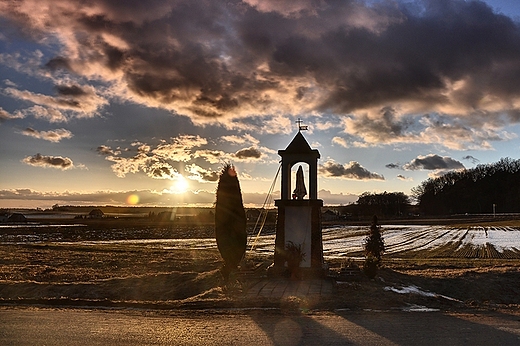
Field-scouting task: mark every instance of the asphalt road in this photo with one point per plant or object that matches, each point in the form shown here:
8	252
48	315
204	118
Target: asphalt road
36	326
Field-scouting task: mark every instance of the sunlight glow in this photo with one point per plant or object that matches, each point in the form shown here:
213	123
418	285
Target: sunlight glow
132	199
180	186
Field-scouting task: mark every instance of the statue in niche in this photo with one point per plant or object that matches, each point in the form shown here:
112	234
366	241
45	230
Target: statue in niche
300	191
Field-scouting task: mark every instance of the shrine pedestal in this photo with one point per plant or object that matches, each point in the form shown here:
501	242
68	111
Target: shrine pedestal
299	222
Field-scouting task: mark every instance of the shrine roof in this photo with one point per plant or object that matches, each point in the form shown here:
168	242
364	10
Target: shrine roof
298	145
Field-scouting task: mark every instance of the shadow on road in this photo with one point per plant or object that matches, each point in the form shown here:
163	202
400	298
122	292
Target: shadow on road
439	328
387	328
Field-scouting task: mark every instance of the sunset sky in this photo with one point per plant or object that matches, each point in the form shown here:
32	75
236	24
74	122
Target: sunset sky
142	102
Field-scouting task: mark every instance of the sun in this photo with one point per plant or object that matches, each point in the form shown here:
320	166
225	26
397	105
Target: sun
180	185
132	199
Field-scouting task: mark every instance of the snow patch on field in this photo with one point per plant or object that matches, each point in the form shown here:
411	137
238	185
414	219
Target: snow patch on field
338	242
418	308
502	238
416	290
345	241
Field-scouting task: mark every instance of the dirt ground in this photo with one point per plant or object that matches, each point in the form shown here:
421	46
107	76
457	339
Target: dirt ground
70	273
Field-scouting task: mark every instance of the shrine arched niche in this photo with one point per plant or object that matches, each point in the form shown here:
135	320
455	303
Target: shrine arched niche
300	180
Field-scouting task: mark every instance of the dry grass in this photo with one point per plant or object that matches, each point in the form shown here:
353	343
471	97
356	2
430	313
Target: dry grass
123	274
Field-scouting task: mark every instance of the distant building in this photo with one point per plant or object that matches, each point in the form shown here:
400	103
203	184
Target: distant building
96	214
4	217
329	215
16	217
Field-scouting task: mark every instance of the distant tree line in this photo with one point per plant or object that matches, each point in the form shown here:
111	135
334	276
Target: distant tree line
473	190
384	205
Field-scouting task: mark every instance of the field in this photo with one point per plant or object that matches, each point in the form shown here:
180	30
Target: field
473	266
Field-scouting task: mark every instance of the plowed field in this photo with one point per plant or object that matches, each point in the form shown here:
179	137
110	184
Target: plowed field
437	267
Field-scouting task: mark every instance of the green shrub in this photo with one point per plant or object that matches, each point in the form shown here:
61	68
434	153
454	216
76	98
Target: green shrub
370	267
374	247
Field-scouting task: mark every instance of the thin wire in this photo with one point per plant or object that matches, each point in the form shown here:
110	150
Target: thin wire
269	195
268	200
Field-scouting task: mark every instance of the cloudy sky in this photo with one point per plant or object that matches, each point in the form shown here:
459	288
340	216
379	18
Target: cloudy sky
142	102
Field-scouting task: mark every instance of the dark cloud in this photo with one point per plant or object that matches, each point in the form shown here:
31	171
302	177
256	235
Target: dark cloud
248	153
471	158
414	58
83	101
227	59
393	165
30	132
202	175
210	176
58	63
71	90
39	160
402	177
385	127
433	162
161	171
352	170
106	150
54	136
396	72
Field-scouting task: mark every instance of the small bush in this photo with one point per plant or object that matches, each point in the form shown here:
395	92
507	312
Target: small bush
294	256
370	267
374	248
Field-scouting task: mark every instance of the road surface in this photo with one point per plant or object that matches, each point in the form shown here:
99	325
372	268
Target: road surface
39	326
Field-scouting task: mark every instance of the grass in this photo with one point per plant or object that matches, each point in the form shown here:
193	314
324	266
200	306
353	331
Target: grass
123	274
